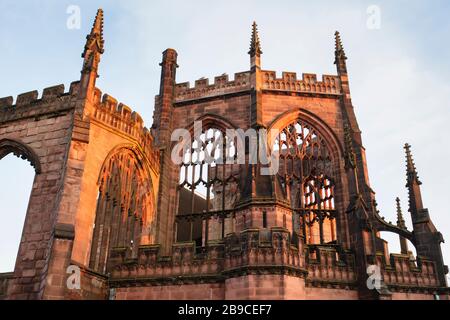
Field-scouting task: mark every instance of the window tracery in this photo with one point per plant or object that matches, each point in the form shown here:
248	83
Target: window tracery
305	172
124	215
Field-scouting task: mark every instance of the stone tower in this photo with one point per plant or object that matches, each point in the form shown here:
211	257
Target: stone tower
113	215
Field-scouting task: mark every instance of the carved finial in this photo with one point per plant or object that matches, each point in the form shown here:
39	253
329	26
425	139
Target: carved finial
340	56
349	151
340	53
255	44
94	40
91	57
411	172
400	221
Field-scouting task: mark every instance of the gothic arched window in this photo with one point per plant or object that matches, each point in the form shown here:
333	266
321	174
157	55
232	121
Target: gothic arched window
125	209
208	188
306	173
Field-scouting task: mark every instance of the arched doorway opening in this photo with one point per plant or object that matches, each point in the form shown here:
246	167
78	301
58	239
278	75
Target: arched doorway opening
16	183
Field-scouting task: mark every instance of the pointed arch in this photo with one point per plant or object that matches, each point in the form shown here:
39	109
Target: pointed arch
281	121
125	216
310	157
20	150
206	188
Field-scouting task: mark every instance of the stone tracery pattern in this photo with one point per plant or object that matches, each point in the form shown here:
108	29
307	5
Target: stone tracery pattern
306	173
209	186
125	209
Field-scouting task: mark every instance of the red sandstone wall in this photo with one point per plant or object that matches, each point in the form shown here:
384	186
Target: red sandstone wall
178	292
411	296
108	125
327	109
313	293
265	287
43	125
269	287
103	140
233	109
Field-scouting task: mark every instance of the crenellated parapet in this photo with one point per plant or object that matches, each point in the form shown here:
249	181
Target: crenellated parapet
403	271
253	251
288	82
308	83
221	86
54	100
118	116
257	251
152	267
327	265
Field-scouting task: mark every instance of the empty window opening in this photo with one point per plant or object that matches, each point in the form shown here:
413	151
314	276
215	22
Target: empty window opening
16	182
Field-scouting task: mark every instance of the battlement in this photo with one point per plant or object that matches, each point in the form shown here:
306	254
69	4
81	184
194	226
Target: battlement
54	100
119	116
308	84
253	251
249	251
288	82
32	97
402	270
326	264
222	85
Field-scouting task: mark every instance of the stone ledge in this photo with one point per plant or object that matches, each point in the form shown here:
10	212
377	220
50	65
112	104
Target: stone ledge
64	231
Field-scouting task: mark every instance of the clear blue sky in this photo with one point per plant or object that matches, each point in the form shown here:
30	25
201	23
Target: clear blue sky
399	74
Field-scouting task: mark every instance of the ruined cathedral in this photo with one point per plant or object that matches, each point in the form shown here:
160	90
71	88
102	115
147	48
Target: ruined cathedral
112	216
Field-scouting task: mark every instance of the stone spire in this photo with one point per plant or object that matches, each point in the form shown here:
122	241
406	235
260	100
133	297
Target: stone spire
413	184
95	40
411	171
339	54
94	46
400	221
427	238
401	224
255	44
339	47
93	50
255	79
